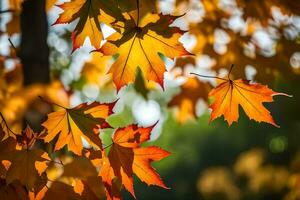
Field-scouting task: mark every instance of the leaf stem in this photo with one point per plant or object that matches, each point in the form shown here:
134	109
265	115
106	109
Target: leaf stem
52	103
204	76
231	67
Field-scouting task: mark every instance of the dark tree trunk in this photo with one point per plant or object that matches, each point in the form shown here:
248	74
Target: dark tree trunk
34	55
34	52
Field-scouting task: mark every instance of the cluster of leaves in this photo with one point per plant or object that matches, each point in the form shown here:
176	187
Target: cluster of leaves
26	166
137	42
142	37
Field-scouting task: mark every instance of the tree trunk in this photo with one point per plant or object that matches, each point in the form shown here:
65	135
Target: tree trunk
34	55
34	52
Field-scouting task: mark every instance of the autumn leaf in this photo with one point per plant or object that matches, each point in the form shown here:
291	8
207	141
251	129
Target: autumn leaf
82	121
126	158
111	183
26	166
6	147
137	9
191	91
231	93
140	44
61	190
27	138
132	136
50	4
91	14
141	164
92	188
87	182
22	162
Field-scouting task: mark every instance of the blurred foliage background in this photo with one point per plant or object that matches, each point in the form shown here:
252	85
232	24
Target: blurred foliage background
209	161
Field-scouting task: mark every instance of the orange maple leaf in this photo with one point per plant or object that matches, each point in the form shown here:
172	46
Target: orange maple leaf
91	14
139	45
72	124
126	158
21	162
111	183
229	94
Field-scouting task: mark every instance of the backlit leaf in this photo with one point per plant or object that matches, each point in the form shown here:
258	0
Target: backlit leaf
139	45
72	124
251	96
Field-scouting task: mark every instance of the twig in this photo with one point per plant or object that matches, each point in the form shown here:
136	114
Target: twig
6	125
6	11
12	45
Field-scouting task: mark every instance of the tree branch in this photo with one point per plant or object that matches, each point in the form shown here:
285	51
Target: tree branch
6	11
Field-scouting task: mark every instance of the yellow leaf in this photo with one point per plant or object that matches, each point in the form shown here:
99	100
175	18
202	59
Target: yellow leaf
139	46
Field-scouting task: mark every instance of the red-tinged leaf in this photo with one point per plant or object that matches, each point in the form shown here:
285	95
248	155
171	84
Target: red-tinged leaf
126	158
27	138
81	121
132	136
91	14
